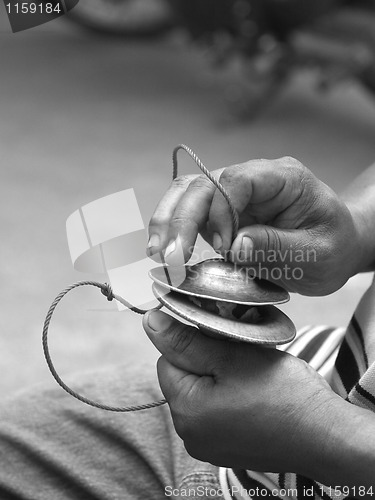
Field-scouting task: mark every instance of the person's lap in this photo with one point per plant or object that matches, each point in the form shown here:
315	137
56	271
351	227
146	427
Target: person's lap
55	447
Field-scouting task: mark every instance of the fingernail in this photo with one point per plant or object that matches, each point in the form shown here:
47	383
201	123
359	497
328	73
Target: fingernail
158	321
247	247
217	241
154	241
170	248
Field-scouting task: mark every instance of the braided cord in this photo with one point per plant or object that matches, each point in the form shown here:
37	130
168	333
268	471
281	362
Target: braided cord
106	290
214	181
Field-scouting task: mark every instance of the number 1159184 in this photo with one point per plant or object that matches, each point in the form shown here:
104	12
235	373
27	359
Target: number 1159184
34	8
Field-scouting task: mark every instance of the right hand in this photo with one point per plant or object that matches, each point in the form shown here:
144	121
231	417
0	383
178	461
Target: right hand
294	230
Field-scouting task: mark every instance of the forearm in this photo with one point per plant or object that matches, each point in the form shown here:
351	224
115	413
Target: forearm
343	449
360	199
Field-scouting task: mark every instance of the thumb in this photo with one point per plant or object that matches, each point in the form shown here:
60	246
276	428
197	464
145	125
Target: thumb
185	346
275	254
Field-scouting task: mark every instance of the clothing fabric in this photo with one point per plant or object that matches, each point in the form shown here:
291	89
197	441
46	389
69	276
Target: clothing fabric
52	447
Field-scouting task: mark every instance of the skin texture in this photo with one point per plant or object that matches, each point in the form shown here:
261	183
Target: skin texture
289	220
250	407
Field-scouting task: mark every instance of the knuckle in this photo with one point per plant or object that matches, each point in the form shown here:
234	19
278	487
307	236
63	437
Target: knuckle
201	182
156	221
291	162
182	219
229	174
294	169
182	181
273	240
181	337
223	362
240	173
252	164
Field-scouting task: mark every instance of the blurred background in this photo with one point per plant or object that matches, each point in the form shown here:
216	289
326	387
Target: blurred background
84	115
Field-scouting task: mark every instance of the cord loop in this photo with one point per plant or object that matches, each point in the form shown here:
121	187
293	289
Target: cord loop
107	291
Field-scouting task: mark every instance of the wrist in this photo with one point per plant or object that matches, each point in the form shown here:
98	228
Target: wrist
342	446
364	240
315	436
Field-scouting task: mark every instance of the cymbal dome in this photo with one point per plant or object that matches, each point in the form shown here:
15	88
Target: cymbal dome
220	280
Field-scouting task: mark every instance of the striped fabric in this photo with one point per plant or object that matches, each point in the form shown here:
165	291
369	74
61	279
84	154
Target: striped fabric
346	359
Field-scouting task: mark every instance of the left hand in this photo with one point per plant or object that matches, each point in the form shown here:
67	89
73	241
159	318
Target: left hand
294	230
240	405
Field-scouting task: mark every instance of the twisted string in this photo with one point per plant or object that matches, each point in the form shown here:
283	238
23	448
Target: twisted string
215	182
106	290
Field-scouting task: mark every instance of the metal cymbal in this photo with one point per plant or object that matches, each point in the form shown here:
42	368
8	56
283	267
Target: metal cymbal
271	328
219	280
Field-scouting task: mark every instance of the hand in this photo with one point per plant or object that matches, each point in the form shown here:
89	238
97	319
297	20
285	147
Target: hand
294	230
239	405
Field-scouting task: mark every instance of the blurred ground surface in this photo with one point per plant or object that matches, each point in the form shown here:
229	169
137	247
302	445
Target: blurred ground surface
82	117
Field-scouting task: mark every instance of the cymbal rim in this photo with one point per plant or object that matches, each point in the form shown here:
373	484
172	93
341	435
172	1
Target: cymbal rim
279	328
161	279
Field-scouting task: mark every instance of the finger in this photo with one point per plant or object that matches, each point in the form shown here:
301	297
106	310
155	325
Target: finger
185	346
274	254
174	381
191	214
259	190
159	223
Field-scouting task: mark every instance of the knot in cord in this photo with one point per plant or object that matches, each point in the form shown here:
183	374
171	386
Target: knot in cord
108	292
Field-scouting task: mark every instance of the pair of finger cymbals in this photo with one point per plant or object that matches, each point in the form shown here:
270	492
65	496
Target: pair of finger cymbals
225	300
